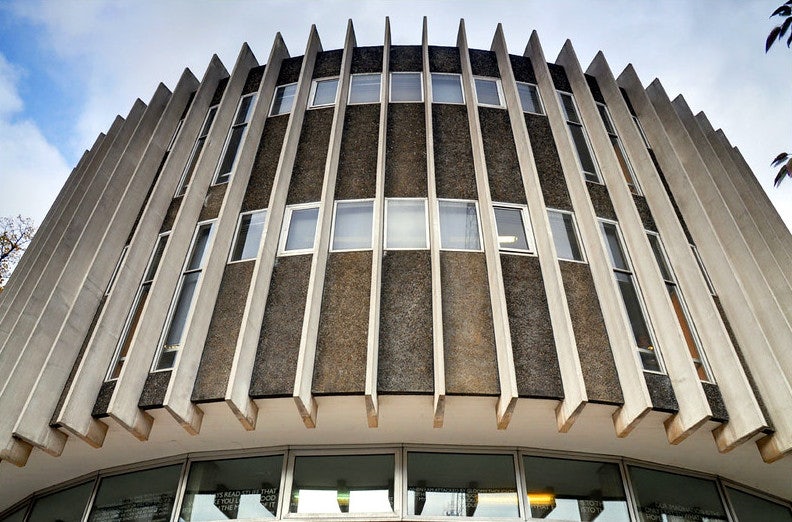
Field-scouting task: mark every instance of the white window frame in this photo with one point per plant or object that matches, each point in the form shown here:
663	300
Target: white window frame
577	236
390	87
274	97
181	188
172	142
246	125
635	188
315	85
498	84
177	294
461	89
527	228
284	235
333	225
426	224
580	124
538	97
117	268
703	269
641	131
478	225
236	234
349	95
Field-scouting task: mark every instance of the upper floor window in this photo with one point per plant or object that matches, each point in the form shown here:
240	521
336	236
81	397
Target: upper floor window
621	156
447	88
299	229
565	235
248	235
365	88
529	98
579	137
116	269
703	269
641	131
406	87
283	100
488	92
352	225
172	142
406	224
189	168
513	228
235	136
323	92
459	225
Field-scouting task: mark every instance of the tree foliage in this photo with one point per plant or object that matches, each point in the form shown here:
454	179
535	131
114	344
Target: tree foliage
15	235
779	32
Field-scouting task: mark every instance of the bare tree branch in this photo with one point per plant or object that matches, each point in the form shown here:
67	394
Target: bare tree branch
15	235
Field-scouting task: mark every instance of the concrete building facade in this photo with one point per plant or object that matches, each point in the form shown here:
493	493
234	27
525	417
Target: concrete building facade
402	282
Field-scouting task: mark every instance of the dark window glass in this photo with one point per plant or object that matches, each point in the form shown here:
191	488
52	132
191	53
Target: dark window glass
750	507
660	495
584	154
231	153
16	516
232	489
529	98
284	99
248	239
562	226
136	497
558	489
461	485
64	506
487	92
511	229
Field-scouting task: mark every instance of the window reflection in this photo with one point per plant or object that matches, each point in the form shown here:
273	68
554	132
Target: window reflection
660	495
143	496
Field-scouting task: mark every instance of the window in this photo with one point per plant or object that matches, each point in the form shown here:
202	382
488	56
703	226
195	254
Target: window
352	225
459	228
579	138
175	135
624	163
752	507
248	235
529	98
299	229
641	131
235	136
680	309
341	484
365	88
283	100
513	230
185	296
660	495
650	357
488	92
562	489
406	225
702	268
116	269
406	87
461	485
65	505
565	236
186	176
142	495
323	92
235	489
447	88
131	324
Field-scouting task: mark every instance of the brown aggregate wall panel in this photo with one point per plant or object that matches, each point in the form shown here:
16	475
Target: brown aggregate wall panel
213	202
367	59
279	343
170	215
444	59
290	70
715	400
471	365
661	392
671	197
406	58
218	352
559	76
646	214
405	362
522	69
328	63
154	390
738	350
591	337
103	399
455	176
340	366
548	165
262	175
484	63
500	154
219	90
357	161
309	164
253	80
596	93
77	361
405	157
533	345
600	199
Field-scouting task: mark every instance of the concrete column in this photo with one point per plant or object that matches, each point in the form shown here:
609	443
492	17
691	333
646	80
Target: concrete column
575	396
749	328
177	397
303	381
745	416
237	393
123	405
637	401
377	242
507	378
75	414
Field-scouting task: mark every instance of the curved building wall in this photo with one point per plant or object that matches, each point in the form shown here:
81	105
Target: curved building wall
395	252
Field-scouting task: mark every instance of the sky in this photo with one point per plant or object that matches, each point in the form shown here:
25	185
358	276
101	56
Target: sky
68	68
